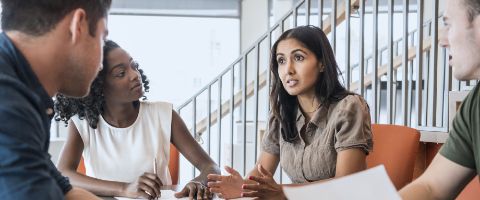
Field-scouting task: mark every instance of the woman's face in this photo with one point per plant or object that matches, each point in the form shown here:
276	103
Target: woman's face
123	82
298	67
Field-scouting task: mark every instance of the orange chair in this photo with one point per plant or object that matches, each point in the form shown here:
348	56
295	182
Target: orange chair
471	191
173	165
395	147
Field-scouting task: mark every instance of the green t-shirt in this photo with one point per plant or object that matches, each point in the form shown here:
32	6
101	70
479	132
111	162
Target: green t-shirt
463	143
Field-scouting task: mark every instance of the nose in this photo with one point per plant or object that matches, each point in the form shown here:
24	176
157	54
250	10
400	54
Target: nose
443	38
290	68
134	75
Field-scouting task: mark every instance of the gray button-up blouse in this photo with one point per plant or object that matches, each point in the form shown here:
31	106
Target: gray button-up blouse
342	125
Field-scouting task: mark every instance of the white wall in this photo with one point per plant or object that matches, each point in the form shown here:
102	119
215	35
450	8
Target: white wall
179	55
254	21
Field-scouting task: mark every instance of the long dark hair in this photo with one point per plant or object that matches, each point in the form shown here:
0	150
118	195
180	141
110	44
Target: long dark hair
91	106
328	89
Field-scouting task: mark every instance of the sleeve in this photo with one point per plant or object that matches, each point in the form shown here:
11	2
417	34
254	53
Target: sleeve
62	181
353	126
26	170
458	147
271	140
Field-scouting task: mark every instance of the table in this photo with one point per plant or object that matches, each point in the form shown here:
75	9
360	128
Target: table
171	187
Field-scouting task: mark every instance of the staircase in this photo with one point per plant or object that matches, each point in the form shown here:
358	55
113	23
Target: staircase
413	80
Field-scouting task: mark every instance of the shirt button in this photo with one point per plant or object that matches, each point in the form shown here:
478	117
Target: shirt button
49	111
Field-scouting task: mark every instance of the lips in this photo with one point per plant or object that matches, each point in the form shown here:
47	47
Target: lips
292	82
136	86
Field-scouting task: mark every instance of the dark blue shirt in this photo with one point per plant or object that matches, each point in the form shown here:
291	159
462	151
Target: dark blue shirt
26	171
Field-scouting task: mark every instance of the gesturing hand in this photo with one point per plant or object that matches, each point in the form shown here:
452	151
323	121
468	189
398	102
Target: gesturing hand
194	190
146	186
227	187
265	188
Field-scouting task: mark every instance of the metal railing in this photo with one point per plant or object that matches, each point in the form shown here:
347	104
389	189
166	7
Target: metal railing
424	82
235	98
245	90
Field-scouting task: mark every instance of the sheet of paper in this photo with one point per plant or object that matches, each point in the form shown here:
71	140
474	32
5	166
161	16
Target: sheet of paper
371	184
166	194
169	194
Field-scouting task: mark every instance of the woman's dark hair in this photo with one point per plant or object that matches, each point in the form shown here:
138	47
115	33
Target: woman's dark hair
327	88
91	106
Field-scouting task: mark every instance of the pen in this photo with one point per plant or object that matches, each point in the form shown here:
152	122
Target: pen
155	172
155	168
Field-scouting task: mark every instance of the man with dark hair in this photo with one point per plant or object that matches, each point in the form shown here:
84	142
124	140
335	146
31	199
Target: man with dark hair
49	46
459	158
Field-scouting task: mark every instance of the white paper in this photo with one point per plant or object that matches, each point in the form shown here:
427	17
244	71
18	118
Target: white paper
371	184
166	194
170	194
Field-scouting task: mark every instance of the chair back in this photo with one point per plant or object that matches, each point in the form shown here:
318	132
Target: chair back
396	148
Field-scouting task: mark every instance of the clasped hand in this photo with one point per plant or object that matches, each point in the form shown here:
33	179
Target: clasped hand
234	186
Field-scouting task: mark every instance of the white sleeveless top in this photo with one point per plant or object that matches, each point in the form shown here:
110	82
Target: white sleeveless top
124	154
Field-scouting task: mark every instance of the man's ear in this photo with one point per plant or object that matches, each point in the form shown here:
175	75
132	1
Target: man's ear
476	25
78	25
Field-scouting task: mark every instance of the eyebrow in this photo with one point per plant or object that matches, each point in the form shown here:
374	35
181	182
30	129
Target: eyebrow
294	51
121	64
116	66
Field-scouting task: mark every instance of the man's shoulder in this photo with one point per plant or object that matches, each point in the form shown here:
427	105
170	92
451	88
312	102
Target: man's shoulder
471	103
12	90
16	99
475	95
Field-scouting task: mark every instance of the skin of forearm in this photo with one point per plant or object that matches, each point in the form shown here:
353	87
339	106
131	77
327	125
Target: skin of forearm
95	186
254	172
417	191
205	171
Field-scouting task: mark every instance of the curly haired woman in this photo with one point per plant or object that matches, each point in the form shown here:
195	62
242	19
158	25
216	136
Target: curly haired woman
121	136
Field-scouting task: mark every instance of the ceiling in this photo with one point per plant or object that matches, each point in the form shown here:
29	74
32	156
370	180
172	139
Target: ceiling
215	8
189	8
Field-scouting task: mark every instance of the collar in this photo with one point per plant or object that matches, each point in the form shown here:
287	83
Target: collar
319	119
25	74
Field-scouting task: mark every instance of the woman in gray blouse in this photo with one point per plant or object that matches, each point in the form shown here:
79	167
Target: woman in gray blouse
318	130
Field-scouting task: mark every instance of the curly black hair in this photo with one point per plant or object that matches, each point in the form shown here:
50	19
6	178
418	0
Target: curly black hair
91	106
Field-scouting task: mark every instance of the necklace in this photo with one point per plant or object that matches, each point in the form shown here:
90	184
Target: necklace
312	110
313	102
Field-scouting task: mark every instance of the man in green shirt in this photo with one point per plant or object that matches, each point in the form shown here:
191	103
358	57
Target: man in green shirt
459	159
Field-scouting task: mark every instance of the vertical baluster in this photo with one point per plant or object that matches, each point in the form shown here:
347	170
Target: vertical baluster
362	48
405	62
375	62
390	88
347	44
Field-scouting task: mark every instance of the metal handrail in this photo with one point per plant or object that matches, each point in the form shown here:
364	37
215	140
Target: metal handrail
413	54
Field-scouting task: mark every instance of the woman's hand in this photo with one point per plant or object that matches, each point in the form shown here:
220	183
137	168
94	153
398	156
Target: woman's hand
227	187
195	190
146	186
265	188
